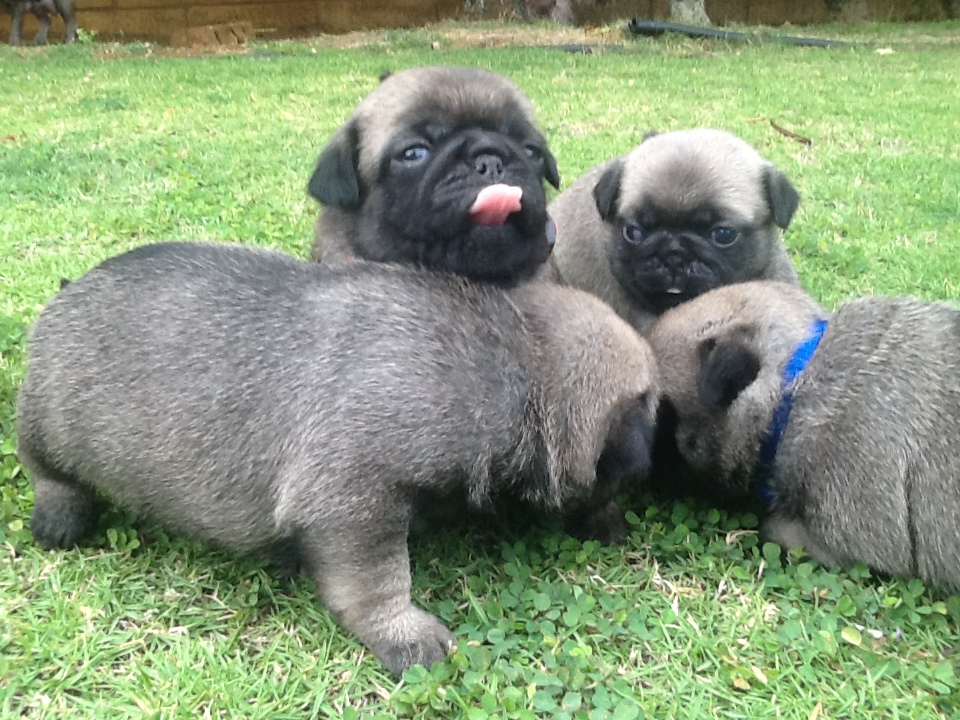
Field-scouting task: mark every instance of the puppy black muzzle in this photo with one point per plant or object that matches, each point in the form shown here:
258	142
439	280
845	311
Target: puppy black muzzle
439	213
668	268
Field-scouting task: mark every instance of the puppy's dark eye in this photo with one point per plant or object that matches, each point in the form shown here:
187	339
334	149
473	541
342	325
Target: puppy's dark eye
534	153
415	153
633	233
724	236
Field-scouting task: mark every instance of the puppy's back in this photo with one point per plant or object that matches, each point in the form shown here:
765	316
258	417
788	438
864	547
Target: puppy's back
886	386
214	362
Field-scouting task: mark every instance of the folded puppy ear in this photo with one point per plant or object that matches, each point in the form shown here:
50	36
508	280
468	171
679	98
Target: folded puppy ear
782	198
551	171
727	368
606	192
336	179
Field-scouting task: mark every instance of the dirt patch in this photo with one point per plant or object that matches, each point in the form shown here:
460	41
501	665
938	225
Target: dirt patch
446	35
489	34
483	35
229	35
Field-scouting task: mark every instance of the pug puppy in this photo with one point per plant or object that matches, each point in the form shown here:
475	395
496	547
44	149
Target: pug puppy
682	213
257	402
441	167
845	425
44	10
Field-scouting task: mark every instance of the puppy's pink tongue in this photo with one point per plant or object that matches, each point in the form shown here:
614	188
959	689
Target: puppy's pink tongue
495	203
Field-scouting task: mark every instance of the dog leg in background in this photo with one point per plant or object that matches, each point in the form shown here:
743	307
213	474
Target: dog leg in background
44	10
43	15
68	11
16	24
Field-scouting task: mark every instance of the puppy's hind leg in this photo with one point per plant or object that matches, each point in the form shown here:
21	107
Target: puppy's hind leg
362	571
789	532
64	511
41	37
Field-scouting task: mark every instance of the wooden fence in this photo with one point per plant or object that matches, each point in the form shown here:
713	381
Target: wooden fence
161	20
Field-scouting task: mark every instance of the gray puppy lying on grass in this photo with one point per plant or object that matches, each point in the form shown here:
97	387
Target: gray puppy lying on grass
847	425
262	403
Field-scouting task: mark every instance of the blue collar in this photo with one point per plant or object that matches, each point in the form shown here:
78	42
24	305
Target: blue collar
778	423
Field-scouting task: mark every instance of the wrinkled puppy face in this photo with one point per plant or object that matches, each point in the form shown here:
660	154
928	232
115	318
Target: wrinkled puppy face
720	358
444	167
697	424
690	211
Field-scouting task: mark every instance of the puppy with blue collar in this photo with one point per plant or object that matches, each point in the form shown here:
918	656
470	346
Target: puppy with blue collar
847	425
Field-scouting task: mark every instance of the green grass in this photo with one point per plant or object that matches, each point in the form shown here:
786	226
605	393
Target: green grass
105	147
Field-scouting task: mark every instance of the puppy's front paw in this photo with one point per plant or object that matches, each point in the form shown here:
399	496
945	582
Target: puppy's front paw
414	637
606	525
789	532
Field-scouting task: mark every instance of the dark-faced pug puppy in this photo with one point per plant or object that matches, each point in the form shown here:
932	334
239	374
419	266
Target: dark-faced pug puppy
441	167
44	10
845	425
683	213
262	403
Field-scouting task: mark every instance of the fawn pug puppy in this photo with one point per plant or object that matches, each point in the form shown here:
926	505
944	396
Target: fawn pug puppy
682	213
262	403
846	425
441	167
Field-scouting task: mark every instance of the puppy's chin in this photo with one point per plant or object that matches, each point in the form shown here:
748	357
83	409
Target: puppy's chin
668	298
504	254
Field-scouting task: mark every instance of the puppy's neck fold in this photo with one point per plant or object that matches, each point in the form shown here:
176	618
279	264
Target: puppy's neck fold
770	442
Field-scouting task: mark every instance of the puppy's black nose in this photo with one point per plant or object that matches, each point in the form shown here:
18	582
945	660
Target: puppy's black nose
490	166
673	251
675	261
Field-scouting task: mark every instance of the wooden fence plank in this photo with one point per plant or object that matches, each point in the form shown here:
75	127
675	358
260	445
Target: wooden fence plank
275	18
